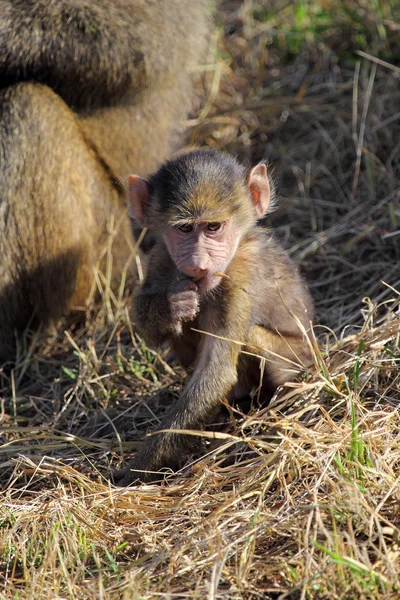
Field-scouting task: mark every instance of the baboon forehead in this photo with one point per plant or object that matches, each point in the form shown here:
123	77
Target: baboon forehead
198	183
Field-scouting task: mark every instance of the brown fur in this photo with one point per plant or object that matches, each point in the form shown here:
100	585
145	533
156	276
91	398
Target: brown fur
86	89
257	308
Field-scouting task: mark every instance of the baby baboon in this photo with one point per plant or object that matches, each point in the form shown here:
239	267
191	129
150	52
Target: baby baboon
214	269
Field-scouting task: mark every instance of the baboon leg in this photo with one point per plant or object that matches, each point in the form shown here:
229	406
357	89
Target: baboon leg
285	356
53	194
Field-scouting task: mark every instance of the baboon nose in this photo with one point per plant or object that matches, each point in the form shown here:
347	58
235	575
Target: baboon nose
196	272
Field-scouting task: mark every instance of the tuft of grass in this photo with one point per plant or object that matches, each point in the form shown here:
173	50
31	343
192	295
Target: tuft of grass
297	497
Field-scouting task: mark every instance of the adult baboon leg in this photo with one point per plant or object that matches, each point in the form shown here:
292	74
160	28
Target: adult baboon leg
53	194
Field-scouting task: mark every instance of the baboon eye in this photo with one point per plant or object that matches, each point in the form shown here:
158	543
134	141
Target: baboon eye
214	226
185	228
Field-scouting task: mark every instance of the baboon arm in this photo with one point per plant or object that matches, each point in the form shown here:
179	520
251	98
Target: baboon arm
149	311
153	305
70	45
214	376
77	32
210	383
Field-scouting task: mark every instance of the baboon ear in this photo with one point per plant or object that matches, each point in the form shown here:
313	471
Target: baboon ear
139	198
259	189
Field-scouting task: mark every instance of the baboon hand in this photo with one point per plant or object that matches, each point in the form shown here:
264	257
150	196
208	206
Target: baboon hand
183	301
144	468
159	455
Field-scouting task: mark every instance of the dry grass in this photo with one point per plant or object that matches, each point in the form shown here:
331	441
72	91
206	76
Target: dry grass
300	499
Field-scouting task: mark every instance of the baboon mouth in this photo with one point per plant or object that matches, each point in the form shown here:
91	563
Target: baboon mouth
215	274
